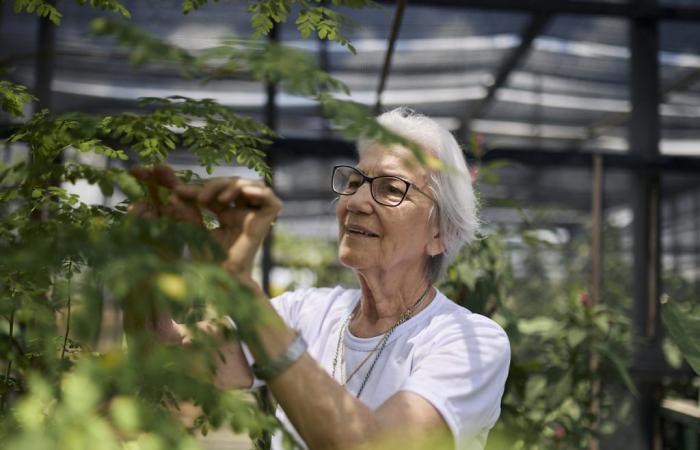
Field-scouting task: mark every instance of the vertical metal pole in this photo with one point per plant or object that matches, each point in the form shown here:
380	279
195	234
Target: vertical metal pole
43	75
671	225
596	281
324	65
644	135
271	119
43	66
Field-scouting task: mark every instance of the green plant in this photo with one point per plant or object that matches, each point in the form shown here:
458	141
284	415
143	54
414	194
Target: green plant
683	325
63	260
553	328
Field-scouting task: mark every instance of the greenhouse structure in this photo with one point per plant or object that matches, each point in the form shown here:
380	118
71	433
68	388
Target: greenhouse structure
580	120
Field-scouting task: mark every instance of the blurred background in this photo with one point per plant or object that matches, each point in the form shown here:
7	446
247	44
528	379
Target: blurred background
581	120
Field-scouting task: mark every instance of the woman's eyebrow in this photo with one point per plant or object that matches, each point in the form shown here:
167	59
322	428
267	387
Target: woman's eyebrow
389	173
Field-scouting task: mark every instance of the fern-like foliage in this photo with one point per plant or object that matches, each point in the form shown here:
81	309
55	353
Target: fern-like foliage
47	9
14	98
41	8
107	5
210	131
63	259
313	17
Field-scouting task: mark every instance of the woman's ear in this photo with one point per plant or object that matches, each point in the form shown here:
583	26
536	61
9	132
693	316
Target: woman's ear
435	246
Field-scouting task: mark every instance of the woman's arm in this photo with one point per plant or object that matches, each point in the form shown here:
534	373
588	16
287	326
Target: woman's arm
232	369
327	416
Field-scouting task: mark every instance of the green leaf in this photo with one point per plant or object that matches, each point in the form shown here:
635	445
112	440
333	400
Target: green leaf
684	329
619	366
14	98
41	8
539	325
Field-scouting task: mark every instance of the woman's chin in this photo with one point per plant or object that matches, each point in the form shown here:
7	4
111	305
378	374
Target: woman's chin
351	258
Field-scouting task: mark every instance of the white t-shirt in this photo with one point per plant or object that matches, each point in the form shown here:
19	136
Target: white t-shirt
456	360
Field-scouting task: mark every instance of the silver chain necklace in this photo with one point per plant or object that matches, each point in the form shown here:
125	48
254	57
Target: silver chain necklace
377	349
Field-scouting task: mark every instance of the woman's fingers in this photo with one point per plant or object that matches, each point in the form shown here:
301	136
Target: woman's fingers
142	209
211	189
180	211
221	194
165	176
163	186
188	191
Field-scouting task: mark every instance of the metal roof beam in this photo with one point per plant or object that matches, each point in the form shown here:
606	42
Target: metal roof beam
611	160
533	29
590	8
393	36
612	120
295	148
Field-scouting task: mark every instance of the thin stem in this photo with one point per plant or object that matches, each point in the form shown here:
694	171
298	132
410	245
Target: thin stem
9	363
65	337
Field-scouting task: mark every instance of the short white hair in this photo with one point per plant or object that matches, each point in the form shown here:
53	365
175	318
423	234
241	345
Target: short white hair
451	188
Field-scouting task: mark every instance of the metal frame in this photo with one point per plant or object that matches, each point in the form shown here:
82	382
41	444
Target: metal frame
588	8
532	30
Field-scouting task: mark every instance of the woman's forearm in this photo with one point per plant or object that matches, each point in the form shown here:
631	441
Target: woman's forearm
232	369
324	413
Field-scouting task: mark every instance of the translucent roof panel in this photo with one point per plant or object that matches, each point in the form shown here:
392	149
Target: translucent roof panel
573	78
680	86
94	74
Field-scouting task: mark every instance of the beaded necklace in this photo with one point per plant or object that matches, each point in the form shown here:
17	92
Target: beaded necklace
340	349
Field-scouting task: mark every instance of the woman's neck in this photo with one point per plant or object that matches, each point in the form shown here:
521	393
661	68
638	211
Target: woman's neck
384	300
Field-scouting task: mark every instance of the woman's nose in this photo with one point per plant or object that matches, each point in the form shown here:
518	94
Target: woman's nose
361	200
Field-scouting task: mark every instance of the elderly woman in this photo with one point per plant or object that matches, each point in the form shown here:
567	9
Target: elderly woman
394	362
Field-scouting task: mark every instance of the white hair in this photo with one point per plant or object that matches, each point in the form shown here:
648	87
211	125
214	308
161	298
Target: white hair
451	188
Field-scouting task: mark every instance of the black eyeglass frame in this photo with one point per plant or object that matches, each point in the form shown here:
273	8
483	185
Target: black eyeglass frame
370	180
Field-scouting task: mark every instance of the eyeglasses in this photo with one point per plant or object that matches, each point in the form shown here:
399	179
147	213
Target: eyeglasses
386	190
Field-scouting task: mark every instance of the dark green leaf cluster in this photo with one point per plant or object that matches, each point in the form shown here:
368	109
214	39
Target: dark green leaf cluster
74	258
41	8
547	401
189	5
65	263
14	97
108	5
44	8
683	325
327	23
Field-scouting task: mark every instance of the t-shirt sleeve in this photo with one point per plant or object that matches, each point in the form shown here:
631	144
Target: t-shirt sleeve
462	373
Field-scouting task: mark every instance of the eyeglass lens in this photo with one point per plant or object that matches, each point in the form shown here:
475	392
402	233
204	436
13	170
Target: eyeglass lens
386	190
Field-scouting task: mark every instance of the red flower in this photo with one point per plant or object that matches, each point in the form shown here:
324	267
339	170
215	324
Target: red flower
559	432
585	299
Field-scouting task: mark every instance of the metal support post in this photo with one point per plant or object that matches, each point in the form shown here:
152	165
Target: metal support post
644	135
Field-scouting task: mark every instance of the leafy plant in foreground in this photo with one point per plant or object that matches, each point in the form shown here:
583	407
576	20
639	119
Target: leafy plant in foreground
65	262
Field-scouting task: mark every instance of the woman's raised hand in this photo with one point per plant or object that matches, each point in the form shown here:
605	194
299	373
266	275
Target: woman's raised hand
157	178
245	210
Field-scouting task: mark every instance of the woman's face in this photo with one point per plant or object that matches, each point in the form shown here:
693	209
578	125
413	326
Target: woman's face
401	237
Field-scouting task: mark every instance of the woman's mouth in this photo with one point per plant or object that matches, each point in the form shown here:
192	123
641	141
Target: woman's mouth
355	230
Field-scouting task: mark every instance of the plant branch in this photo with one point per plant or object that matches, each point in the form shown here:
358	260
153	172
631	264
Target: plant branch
9	362
65	337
